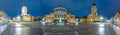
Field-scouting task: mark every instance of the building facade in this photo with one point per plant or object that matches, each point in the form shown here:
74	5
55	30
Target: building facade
93	16
24	17
60	13
3	16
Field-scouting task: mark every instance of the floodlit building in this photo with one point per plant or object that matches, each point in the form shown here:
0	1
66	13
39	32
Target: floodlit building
3	16
117	17
24	17
83	19
60	13
93	16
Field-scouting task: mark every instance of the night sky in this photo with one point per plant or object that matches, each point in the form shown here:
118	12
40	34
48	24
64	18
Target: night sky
79	8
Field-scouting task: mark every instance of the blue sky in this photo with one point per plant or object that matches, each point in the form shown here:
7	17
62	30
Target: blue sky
79	8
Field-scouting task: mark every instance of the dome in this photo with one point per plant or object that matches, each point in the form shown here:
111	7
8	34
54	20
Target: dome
60	8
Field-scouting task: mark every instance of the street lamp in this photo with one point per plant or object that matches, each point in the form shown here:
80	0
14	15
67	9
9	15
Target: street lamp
18	18
43	21
101	18
76	22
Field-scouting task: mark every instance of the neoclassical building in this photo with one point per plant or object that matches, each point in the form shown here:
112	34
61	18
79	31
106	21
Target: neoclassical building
24	16
60	13
94	15
3	16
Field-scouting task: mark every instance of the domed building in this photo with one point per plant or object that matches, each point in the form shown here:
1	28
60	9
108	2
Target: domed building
60	13
94	15
3	16
24	17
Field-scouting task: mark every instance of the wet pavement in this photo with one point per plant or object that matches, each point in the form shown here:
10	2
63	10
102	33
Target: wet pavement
38	29
3	27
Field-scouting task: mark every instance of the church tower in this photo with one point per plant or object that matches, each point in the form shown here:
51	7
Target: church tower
24	10
93	16
94	9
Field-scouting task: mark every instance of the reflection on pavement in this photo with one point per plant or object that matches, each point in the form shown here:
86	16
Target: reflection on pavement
21	29
39	29
101	29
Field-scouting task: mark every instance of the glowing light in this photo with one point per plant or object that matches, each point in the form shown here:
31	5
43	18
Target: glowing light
43	23
18	18
24	10
43	19
101	18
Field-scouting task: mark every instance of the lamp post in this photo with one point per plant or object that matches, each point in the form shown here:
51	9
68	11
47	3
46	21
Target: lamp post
76	22
18	18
